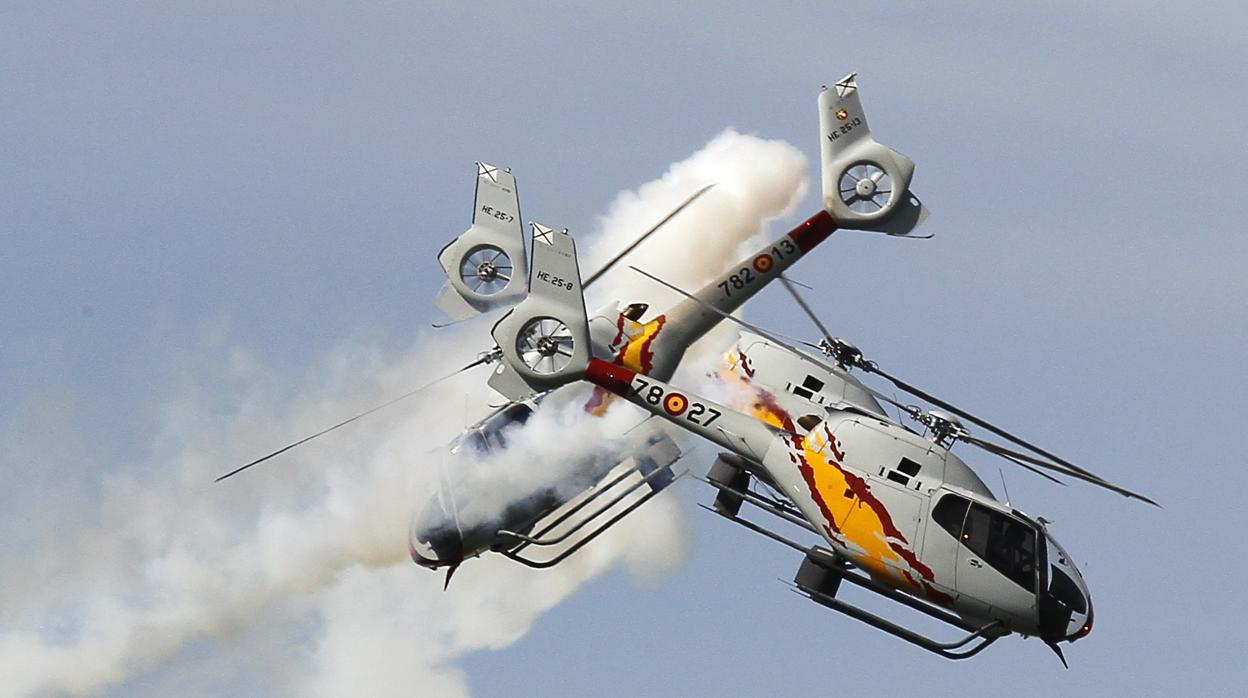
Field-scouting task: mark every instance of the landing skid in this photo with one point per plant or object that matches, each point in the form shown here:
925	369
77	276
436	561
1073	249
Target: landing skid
820	577
562	528
822	571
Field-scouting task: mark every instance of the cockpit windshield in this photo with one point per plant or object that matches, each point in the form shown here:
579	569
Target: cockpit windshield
1060	558
1064	589
476	443
490	434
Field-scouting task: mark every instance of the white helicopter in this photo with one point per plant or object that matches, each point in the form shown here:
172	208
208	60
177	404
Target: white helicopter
811	434
866	187
900	514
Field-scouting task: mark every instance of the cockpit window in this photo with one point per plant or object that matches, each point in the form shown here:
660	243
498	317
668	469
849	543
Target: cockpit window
492	434
1007	544
477	442
949	513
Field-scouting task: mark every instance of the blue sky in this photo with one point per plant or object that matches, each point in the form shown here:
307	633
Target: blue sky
193	192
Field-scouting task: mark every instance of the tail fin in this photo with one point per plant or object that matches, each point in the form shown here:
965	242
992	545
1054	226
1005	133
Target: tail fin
486	266
866	185
545	339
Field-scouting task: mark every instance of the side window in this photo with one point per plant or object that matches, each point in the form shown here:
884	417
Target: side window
1005	543
909	467
949	513
808	388
975	533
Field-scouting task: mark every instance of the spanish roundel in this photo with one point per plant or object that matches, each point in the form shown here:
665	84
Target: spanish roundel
675	404
763	263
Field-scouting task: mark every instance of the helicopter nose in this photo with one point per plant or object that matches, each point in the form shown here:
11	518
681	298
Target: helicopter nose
422	553
433	540
435	547
1081	627
1066	614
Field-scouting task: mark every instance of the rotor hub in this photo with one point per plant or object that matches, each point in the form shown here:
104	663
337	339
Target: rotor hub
486	270
844	353
547	346
944	426
865	188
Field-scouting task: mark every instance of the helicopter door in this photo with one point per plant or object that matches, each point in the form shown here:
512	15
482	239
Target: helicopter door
940	542
996	561
902	506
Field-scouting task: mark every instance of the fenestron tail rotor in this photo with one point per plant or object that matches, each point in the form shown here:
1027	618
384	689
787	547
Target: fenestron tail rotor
545	345
942	426
486	270
865	187
544	341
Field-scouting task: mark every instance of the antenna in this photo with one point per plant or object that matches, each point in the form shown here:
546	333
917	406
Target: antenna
1003	487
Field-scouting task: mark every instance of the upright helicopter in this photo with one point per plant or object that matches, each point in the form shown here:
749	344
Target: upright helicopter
898	512
866	187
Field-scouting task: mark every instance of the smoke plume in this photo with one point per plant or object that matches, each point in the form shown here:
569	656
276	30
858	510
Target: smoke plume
119	574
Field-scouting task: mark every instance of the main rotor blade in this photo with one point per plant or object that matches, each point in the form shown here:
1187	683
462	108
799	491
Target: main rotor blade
788	286
1027	467
773	336
404	396
1059	465
1009	454
642	238
778	339
924	395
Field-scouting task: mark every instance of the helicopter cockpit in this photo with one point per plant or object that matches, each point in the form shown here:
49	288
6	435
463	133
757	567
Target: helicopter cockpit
437	537
1011	563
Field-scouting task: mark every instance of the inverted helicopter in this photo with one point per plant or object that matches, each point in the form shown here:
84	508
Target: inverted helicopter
866	187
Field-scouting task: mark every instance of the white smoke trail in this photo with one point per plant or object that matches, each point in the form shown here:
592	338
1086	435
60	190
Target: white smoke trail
120	566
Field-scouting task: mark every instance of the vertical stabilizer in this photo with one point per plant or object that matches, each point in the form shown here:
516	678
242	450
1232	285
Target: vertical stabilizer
486	267
545	339
866	185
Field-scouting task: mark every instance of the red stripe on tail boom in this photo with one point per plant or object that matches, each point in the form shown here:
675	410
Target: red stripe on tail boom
611	376
815	230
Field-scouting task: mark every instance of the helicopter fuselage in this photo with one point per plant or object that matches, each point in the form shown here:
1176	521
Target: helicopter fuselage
901	507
